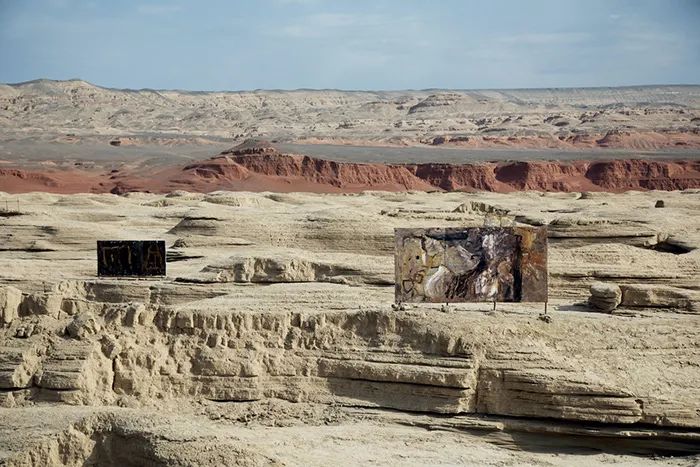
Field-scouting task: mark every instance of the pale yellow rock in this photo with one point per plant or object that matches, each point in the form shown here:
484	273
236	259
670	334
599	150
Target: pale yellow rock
652	295
42	303
10	299
288	300
82	325
605	296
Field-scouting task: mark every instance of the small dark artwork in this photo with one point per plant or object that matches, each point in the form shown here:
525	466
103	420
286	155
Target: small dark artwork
131	258
504	264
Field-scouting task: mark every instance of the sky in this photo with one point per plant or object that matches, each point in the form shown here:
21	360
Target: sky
351	44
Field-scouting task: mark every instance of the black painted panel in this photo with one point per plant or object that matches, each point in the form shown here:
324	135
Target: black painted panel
130	258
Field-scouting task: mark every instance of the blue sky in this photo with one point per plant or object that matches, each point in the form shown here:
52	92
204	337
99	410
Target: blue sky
360	44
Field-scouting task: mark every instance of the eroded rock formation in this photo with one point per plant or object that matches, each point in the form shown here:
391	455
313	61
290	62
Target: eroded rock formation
287	299
254	166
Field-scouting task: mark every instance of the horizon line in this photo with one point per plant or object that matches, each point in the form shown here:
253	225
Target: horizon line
302	89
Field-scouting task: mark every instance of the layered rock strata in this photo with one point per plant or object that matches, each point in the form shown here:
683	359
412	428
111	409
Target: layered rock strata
266	169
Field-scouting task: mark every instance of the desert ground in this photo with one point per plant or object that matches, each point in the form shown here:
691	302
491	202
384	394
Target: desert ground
275	337
75	137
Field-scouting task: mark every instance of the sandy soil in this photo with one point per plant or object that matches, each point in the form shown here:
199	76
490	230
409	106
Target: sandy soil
301	434
273	338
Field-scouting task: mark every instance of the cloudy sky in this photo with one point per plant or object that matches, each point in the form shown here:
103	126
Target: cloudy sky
351	44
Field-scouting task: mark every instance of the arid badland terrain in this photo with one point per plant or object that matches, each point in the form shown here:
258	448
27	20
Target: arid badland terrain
275	339
72	136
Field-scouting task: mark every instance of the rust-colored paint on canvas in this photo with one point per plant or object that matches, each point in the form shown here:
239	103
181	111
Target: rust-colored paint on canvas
504	264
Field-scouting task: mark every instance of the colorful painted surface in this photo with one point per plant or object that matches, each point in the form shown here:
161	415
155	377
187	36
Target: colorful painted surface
504	264
131	258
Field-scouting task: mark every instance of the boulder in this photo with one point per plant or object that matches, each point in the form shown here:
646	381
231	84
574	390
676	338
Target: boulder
662	296
83	324
605	296
10	299
47	303
26	330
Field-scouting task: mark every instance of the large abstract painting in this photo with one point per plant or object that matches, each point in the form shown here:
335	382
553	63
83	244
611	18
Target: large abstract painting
131	258
504	264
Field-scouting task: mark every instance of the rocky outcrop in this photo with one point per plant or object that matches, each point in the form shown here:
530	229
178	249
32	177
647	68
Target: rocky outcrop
287	299
83	325
18	365
608	296
644	174
46	303
319	172
10	299
542	176
286	269
259	167
307	173
557	393
74	373
448	177
264	160
660	296
221	168
605	296
375	358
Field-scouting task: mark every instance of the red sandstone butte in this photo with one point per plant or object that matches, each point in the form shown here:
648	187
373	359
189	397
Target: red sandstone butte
260	167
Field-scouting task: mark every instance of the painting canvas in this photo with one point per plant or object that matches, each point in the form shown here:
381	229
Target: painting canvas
131	258
504	264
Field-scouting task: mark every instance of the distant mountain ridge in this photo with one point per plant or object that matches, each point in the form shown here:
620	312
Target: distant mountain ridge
652	116
184	91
